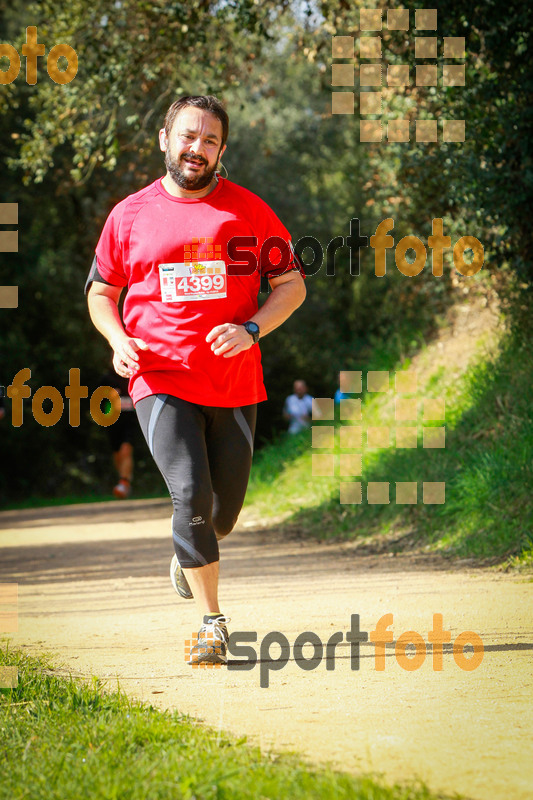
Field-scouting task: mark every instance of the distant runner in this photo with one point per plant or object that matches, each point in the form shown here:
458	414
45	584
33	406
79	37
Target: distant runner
191	249
298	408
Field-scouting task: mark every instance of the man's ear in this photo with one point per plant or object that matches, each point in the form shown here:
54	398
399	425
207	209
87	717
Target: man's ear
222	151
163	141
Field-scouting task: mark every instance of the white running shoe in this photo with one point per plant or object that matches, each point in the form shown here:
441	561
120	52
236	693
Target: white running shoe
211	643
178	579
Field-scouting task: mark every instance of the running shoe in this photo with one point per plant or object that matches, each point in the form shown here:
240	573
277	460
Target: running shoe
123	489
211	643
179	581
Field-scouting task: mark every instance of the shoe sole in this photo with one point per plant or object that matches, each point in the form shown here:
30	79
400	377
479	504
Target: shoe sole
209	658
182	592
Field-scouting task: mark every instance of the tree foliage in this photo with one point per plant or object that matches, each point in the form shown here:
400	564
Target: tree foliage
72	151
134	59
484	184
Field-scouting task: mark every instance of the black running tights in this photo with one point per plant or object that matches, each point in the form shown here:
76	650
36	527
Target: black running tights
204	454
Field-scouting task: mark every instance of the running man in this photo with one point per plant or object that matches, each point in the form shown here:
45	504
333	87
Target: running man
191	249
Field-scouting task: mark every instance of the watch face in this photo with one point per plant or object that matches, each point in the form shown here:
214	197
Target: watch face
253	330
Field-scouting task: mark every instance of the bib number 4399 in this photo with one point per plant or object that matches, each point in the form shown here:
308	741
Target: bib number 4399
201	280
201	283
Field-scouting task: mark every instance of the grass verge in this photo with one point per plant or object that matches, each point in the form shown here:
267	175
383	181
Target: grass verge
486	465
64	738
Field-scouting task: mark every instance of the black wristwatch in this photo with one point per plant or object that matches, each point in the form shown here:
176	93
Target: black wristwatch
253	330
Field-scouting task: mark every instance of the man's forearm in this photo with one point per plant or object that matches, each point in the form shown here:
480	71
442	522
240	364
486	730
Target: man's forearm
106	318
230	339
103	308
280	304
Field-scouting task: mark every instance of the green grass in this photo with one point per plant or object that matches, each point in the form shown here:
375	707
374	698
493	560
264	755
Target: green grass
67	739
487	466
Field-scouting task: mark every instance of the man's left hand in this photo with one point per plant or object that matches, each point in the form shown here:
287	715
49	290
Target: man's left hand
229	340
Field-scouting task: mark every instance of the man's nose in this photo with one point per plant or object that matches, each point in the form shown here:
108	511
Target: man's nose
197	146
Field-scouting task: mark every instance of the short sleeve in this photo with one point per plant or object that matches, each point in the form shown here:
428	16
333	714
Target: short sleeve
110	250
94	275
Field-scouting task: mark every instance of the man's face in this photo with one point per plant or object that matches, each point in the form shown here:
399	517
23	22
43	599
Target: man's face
300	388
193	148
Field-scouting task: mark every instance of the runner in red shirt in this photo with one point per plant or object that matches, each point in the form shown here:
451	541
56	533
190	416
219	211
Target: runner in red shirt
191	249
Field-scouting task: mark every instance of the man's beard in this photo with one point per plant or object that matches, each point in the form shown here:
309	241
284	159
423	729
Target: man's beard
193	183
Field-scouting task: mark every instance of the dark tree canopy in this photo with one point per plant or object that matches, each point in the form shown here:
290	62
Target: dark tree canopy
71	151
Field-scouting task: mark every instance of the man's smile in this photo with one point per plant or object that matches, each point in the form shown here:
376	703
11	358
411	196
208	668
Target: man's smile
196	163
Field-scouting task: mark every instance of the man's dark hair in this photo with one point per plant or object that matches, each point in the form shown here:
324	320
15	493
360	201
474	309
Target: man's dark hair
206	103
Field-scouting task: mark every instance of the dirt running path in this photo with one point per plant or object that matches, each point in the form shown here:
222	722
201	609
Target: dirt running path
93	589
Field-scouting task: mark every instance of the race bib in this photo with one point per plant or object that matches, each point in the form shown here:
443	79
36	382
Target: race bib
197	280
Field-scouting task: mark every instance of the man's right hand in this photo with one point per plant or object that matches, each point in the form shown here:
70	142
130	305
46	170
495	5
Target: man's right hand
103	308
125	358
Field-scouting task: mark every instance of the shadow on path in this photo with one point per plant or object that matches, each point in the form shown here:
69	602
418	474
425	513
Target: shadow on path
128	511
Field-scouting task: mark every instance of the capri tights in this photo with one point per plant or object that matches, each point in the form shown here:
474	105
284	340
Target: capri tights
204	454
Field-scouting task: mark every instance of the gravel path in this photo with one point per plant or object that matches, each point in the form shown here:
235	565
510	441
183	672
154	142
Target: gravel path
94	591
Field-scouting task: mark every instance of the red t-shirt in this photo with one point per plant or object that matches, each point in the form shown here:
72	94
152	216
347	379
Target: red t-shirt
186	271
